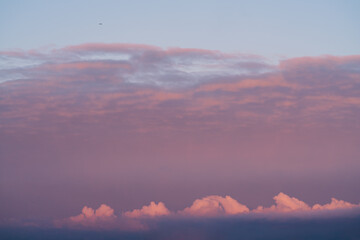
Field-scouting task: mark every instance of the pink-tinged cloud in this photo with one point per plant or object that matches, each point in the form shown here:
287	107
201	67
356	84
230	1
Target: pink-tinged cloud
151	88
101	217
104	212
285	203
335	204
86	213
211	206
151	210
323	62
215	206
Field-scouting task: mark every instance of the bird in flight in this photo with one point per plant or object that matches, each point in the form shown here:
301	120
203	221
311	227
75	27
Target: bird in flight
100	24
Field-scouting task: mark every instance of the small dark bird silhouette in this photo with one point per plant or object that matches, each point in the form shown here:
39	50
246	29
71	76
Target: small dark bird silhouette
100	24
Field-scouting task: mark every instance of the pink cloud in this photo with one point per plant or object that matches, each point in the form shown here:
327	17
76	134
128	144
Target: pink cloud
84	65
104	212
215	206
171	90
160	82
86	213
248	83
152	210
101	217
324	61
285	203
335	204
210	206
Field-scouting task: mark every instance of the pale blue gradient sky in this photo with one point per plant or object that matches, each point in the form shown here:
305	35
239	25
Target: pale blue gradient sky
273	29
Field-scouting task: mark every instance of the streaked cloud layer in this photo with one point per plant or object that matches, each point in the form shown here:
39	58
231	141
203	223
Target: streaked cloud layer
178	89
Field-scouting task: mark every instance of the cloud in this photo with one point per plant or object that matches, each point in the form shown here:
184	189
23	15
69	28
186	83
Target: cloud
101	217
152	210
335	204
215	206
285	203
86	213
104	212
149	216
175	89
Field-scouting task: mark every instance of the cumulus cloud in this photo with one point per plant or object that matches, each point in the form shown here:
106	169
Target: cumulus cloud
104	212
335	204
215	206
152	210
285	203
102	217
210	206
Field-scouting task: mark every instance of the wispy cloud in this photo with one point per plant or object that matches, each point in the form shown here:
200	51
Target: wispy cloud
176	88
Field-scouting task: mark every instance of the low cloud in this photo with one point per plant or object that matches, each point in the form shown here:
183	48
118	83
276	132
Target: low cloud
102	217
335	204
208	207
215	206
285	203
152	210
103	212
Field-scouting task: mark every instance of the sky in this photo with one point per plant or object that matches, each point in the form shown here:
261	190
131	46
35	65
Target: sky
167	114
274	29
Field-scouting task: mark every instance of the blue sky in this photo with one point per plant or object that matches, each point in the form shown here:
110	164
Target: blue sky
274	29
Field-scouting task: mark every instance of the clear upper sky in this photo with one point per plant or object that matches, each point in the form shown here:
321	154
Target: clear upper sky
270	28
